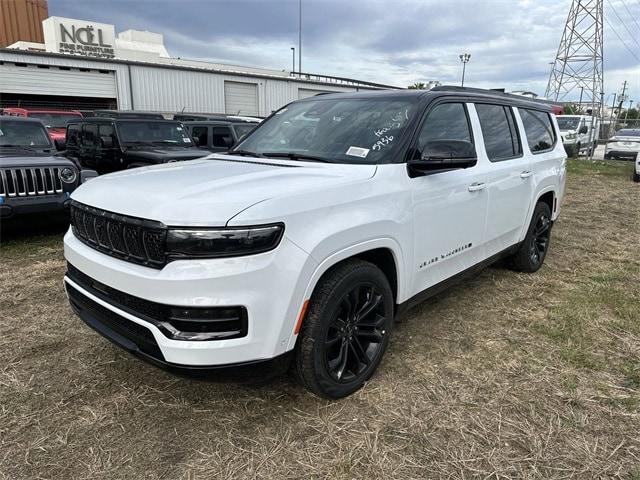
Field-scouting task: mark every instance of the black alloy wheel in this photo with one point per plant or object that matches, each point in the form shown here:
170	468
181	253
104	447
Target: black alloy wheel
540	239
346	329
354	337
532	251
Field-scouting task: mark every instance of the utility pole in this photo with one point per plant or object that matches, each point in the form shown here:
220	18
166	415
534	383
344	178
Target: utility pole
613	107
293	65
580	102
626	114
621	99
578	61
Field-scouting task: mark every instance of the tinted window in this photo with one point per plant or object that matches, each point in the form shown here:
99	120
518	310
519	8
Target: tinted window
107	130
244	129
221	137
539	129
628	132
447	121
90	135
73	135
501	139
201	134
143	131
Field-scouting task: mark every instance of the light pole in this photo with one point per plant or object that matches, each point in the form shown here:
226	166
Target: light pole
293	54
300	36
464	58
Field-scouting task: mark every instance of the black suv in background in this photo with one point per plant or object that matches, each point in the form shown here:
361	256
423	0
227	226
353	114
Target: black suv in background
33	179
218	135
111	144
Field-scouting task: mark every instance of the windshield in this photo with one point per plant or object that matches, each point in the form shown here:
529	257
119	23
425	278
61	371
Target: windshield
23	134
54	120
153	132
340	130
628	132
568	123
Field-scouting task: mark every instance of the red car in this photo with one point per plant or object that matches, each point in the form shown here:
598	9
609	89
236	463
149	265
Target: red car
54	120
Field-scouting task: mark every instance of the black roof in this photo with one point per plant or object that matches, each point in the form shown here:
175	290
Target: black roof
112	119
464	92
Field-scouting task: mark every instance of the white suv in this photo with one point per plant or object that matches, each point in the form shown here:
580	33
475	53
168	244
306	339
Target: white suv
302	244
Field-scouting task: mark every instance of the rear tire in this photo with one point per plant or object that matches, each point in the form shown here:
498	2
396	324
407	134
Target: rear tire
531	254
346	329
636	177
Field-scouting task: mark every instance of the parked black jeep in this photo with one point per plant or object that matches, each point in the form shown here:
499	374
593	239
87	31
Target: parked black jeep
108	144
218	135
33	179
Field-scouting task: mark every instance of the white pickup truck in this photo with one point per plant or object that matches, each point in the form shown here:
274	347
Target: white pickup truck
300	246
577	133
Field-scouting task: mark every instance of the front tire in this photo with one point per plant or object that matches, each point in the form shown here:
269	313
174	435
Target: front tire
531	254
346	330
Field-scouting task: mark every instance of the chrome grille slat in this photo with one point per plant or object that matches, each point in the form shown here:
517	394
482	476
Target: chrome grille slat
27	182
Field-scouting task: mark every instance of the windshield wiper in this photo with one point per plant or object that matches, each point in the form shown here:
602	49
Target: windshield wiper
22	147
245	153
296	156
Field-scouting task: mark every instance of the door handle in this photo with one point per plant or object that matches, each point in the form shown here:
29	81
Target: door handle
526	174
475	186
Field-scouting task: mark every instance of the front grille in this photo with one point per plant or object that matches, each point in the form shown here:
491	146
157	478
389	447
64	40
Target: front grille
141	336
224	322
128	238
30	182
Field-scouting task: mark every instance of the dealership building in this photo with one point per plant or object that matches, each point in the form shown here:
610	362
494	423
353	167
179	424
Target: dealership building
86	65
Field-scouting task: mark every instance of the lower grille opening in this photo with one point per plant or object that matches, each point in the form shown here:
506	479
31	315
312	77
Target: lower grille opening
177	323
139	335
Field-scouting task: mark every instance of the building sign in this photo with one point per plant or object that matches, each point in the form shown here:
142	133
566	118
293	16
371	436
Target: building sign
79	37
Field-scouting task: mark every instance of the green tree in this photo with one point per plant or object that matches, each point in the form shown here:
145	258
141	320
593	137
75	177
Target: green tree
417	86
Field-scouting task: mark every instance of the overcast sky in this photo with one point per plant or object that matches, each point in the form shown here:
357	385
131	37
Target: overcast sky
396	42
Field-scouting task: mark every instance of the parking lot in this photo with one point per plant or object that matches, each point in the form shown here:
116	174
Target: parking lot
505	375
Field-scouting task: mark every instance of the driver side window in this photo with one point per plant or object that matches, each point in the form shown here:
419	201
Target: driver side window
447	121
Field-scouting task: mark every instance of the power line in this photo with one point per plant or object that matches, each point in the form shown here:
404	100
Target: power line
621	40
630	14
622	22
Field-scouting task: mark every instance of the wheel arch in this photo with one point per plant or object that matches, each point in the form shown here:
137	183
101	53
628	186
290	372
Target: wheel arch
385	253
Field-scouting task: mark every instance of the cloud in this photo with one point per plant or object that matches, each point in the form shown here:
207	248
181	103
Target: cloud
397	42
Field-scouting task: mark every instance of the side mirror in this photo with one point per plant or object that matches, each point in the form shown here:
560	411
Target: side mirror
228	141
583	129
444	155
87	174
106	142
196	140
59	144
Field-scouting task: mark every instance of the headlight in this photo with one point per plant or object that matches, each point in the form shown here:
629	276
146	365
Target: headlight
571	136
68	175
222	242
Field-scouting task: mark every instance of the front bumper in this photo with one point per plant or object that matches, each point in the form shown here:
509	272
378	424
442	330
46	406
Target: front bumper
269	285
17	206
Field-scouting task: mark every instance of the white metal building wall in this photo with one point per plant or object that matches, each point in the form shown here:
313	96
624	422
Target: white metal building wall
174	89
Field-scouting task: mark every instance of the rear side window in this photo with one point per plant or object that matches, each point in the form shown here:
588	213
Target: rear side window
222	137
90	135
201	134
539	129
501	139
447	121
73	135
107	130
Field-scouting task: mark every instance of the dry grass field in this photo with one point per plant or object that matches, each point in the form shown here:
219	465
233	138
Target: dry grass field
506	375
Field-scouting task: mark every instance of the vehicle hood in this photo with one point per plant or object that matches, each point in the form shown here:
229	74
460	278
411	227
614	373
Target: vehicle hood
162	155
27	160
212	190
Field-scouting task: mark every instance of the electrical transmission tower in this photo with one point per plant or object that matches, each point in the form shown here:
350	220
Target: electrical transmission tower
577	68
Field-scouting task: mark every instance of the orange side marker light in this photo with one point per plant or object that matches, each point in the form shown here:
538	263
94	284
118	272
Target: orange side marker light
303	312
